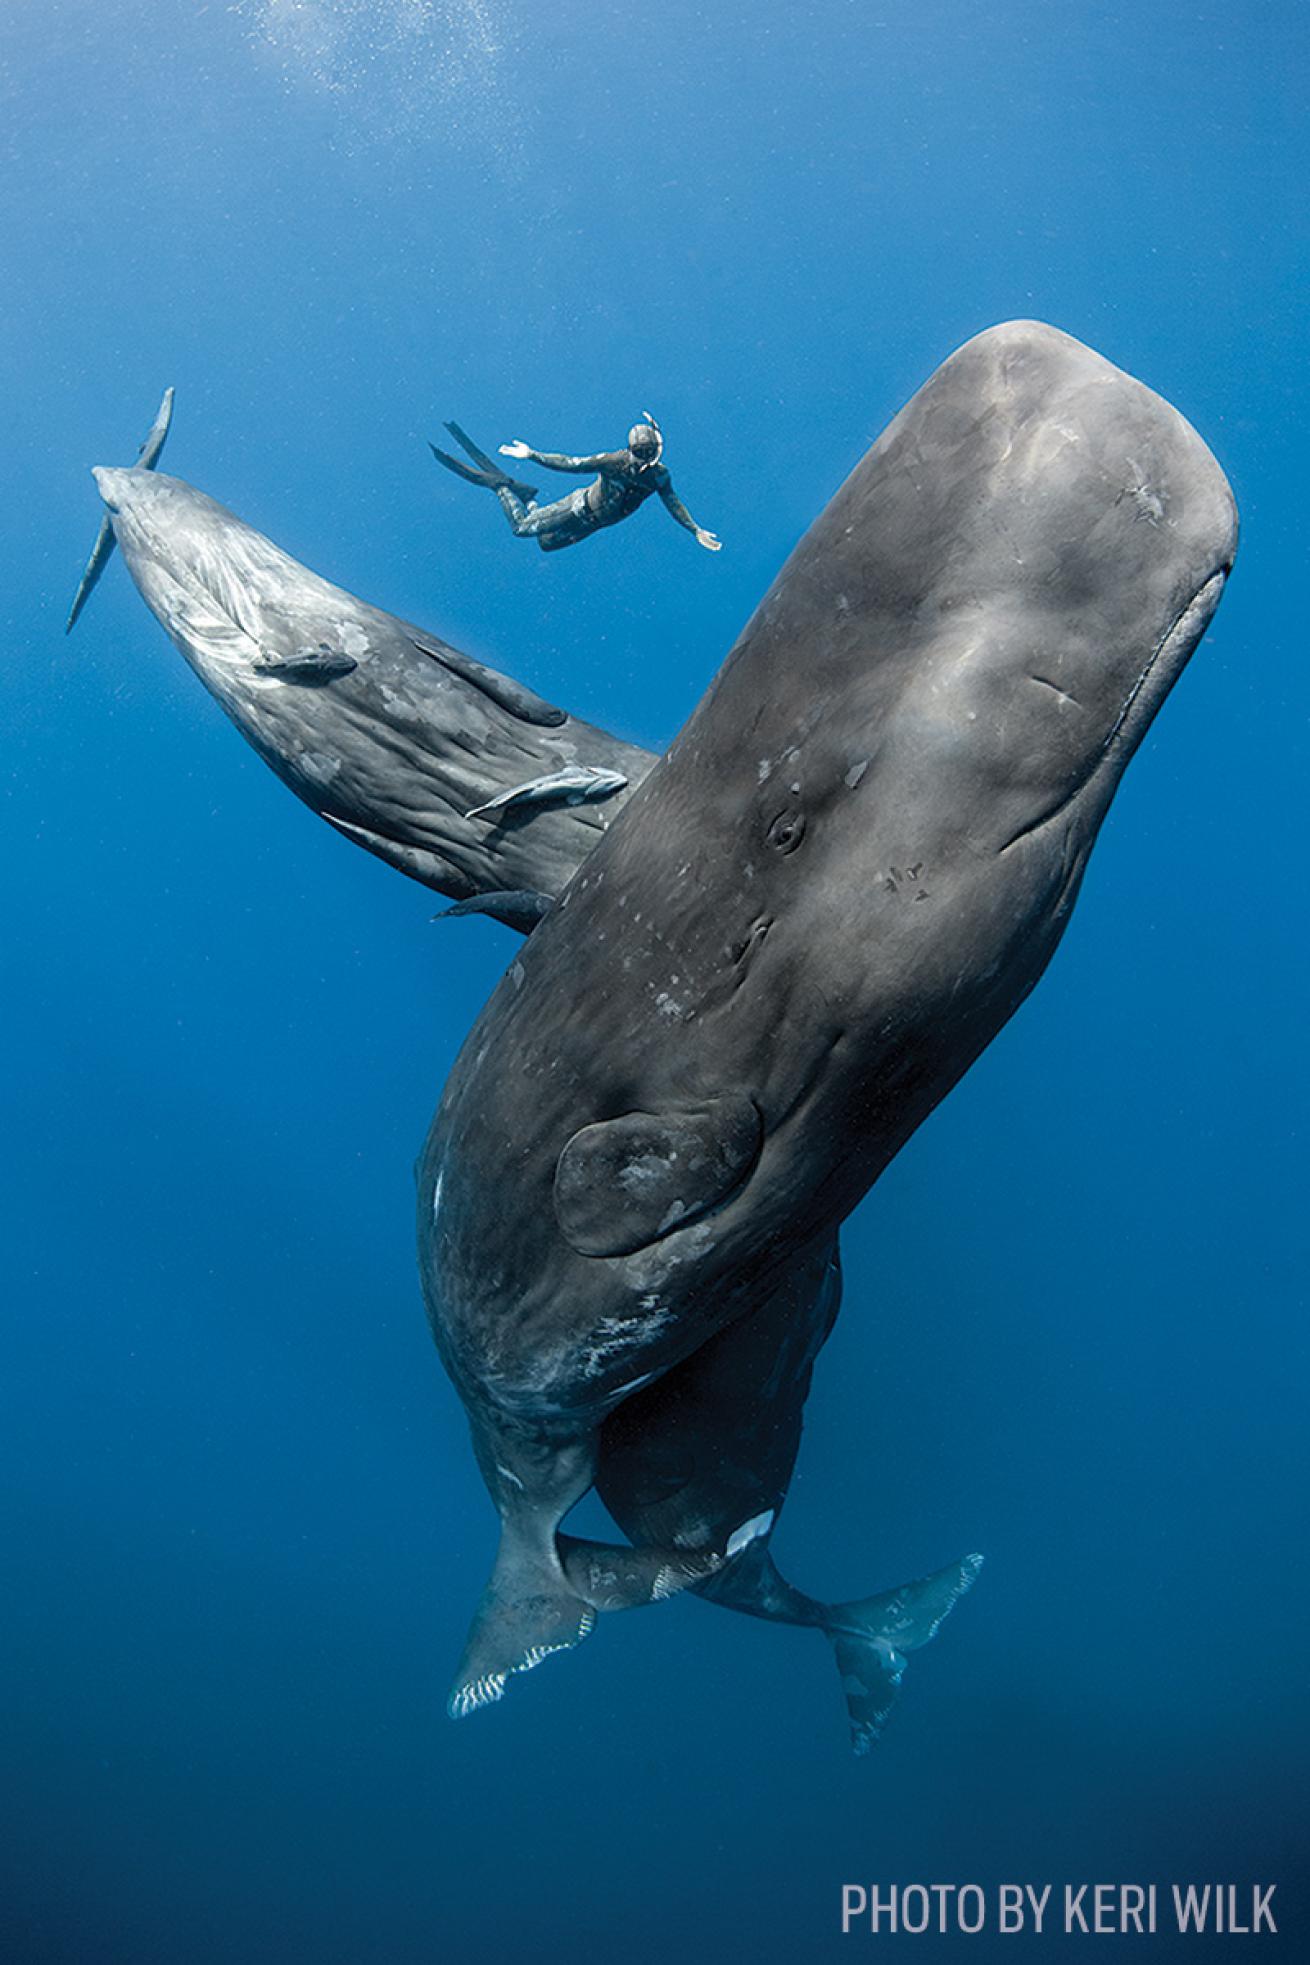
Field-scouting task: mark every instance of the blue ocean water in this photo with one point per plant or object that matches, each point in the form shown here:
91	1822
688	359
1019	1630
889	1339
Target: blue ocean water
244	1531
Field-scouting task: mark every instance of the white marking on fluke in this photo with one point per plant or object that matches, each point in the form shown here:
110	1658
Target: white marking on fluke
478	1692
578	784
749	1532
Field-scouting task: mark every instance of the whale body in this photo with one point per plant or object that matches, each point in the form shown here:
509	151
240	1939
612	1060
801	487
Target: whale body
753	968
845	875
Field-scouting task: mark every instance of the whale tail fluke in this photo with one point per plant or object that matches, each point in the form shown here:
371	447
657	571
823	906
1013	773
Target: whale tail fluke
540	1601
529	1610
872	1637
613	1577
102	551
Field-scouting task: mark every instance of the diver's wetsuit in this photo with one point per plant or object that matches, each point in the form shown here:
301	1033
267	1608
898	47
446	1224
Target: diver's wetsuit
620	486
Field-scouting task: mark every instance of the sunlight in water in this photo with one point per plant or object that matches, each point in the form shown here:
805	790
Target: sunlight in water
403	65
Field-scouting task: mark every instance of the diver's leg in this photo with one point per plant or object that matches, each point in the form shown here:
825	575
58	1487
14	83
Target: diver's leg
557	524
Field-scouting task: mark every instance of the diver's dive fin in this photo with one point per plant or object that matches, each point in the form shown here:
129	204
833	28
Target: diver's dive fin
480	457
461	470
488	472
102	551
521	908
872	1637
529	1610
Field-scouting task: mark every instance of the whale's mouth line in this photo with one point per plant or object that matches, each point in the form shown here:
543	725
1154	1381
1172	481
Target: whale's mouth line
1115	733
1219	574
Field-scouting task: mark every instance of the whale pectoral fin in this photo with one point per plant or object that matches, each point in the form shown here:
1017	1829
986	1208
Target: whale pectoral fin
515	698
871	1639
519	907
529	1610
626	1182
416	861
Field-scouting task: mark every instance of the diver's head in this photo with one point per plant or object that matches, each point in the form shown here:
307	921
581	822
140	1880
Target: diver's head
645	441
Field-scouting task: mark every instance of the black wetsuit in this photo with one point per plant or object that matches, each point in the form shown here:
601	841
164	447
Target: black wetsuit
620	486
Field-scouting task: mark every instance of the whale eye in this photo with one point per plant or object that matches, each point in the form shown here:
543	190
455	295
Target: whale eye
787	830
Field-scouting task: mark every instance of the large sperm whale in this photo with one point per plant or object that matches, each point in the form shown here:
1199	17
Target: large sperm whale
767	964
850	868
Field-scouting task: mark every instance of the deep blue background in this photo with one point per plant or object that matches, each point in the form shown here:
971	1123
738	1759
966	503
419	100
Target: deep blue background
243	1529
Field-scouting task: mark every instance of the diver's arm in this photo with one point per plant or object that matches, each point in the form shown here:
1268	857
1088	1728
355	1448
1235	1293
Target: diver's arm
674	505
560	460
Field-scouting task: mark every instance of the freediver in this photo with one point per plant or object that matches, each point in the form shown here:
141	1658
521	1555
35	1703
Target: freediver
624	480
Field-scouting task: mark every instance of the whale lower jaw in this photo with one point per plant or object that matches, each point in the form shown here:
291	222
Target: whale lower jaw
1170	656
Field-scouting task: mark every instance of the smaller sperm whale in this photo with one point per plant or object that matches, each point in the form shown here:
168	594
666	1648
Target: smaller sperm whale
384	729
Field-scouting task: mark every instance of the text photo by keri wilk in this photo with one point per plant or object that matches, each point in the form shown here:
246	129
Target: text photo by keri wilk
1041	1909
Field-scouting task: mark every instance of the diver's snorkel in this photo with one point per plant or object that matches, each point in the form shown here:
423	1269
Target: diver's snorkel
637	444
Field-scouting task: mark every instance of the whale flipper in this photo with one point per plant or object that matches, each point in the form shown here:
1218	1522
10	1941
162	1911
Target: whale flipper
871	1639
103	549
514	697
522	908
